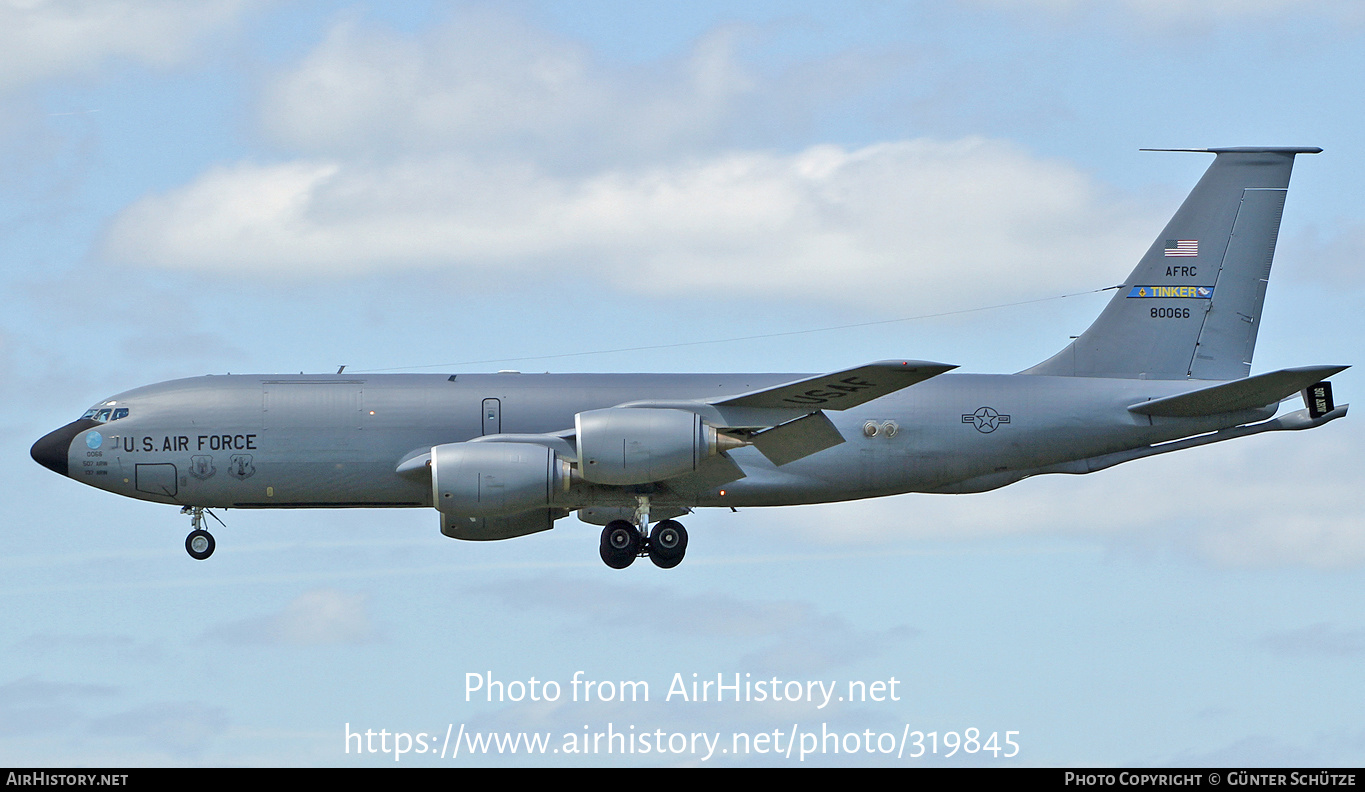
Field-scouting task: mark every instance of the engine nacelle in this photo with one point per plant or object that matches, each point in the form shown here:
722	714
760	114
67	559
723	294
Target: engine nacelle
637	445
495	479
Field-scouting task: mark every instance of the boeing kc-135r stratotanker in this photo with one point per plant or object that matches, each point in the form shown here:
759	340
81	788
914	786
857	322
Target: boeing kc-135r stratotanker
1165	367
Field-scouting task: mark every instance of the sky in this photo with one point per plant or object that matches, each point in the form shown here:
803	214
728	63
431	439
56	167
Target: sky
252	186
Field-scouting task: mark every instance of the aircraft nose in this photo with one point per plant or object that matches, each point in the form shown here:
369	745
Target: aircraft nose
51	450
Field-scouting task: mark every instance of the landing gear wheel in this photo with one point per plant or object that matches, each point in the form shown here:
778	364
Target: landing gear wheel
620	544
667	544
199	544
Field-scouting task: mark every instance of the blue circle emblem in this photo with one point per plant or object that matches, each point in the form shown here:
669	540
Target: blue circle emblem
94	440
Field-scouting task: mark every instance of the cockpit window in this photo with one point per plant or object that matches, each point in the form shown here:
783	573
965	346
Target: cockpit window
105	414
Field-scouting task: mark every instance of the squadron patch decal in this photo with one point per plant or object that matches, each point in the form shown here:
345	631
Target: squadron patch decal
201	467
240	467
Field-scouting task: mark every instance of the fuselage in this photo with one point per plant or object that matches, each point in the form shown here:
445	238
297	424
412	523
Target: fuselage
315	441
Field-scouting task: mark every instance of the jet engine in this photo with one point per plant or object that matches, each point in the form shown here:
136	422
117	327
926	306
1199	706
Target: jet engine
628	445
496	479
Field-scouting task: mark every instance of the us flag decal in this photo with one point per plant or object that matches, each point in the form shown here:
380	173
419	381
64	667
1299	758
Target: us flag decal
1182	247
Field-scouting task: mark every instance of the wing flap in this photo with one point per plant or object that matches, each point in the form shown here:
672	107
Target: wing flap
797	439
1242	394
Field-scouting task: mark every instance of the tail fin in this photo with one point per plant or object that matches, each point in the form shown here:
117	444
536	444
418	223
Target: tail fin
1192	307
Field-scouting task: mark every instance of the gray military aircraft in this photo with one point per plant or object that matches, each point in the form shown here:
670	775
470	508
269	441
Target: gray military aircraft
1165	367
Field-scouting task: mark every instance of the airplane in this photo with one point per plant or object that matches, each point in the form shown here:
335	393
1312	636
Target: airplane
1165	367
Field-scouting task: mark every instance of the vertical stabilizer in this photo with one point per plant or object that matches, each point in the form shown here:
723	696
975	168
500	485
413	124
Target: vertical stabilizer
1192	307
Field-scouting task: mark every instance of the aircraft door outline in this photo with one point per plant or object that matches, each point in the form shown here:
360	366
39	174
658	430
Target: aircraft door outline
492	416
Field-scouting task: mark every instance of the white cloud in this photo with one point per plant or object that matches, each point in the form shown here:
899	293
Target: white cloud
42	39
876	225
496	151
488	81
313	618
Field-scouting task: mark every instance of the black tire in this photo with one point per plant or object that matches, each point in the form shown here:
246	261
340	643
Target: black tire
620	544
200	545
667	544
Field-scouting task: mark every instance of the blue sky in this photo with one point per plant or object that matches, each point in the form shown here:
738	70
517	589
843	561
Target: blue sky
251	186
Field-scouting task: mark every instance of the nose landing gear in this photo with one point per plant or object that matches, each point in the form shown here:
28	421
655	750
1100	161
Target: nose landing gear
199	544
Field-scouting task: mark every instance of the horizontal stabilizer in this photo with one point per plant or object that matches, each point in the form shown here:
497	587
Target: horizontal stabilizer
797	439
842	389
1242	394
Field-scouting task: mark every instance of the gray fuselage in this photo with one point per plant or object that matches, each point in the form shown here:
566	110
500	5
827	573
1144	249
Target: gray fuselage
336	441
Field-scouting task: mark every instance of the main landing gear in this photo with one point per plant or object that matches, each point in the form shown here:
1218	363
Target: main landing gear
199	544
623	542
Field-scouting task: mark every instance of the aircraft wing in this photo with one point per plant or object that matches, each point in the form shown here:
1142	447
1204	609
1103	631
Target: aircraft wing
793	412
841	389
1240	394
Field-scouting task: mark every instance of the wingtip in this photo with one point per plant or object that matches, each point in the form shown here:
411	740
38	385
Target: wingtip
916	365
